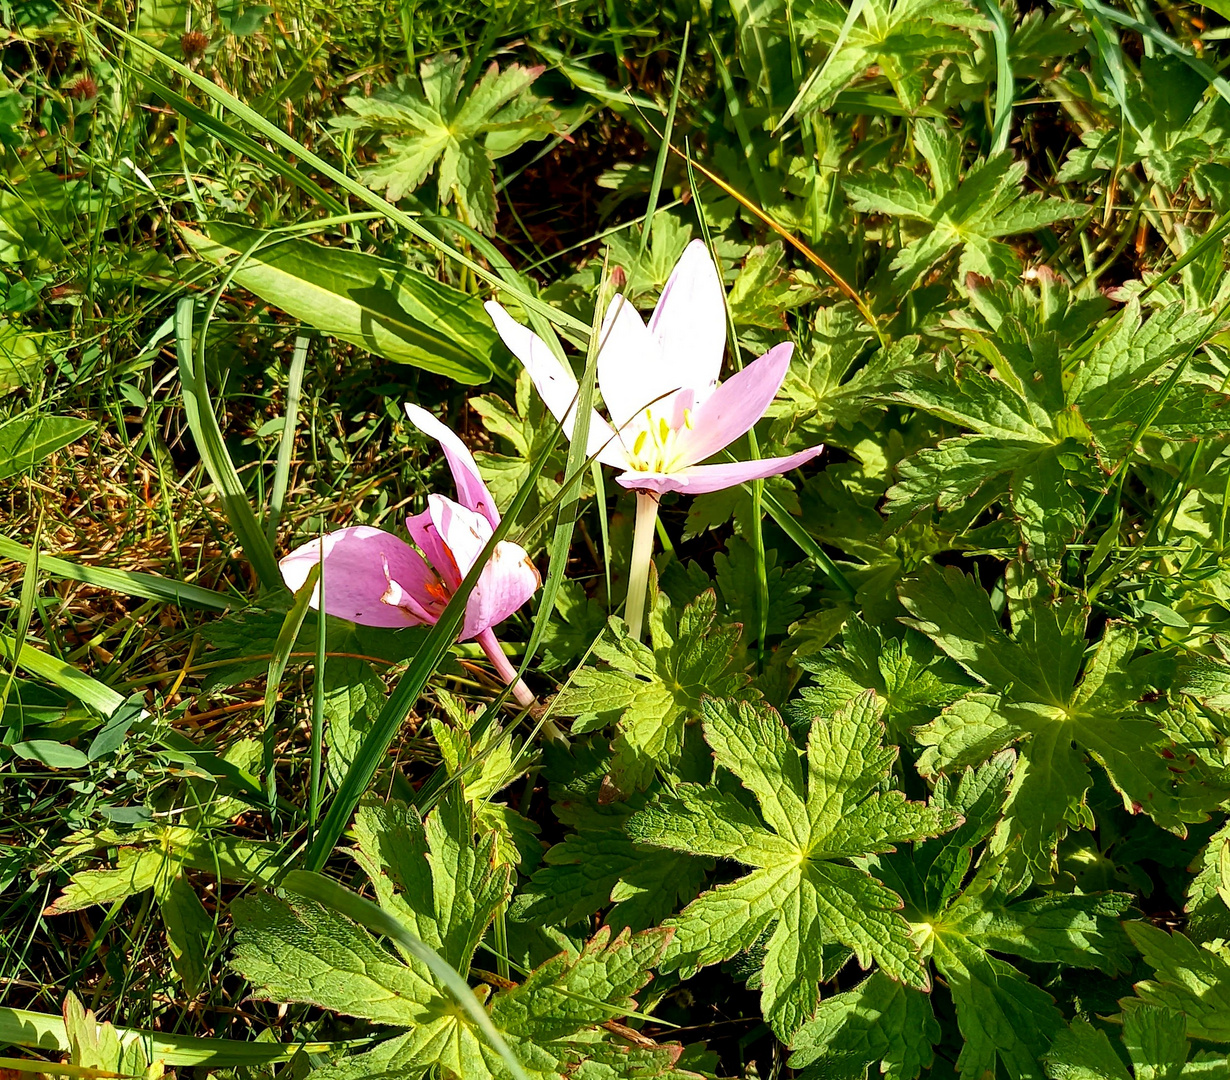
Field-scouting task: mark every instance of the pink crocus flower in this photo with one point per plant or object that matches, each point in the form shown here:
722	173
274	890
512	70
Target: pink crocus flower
668	412
377	579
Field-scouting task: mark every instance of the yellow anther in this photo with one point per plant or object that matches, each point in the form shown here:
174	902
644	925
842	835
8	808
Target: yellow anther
639	445
664	431
687	419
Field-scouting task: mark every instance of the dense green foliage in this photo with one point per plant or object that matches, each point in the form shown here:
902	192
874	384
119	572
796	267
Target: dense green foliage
922	764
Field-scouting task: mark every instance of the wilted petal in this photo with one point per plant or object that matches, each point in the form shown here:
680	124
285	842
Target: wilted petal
508	580
370	577
699	479
471	490
735	406
555	384
689	323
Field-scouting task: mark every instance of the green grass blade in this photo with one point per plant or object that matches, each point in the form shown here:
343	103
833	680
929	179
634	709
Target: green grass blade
1163	42
375	745
45	1031
365	913
291	625
25	611
286	444
217	460
318	718
56	671
244	144
1005	82
664	150
852	16
570	495
129	582
786	522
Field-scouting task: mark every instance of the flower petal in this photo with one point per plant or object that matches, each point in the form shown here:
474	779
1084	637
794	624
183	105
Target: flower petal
465	532
508	580
370	577
424	533
735	406
689	323
700	479
556	385
631	372
470	487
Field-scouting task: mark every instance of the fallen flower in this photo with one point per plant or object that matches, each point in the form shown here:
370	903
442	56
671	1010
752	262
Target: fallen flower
375	578
660	385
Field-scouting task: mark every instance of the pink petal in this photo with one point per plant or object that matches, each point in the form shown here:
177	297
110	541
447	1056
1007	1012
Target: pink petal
508	580
423	532
700	479
556	385
735	406
470	487
463	531
370	577
689	323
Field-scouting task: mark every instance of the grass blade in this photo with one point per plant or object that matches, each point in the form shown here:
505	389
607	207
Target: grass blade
291	625
286	444
570	496
276	135
800	536
129	582
365	913
56	671
375	745
664	150
25	611
1005	81
217	460
1163	42
45	1031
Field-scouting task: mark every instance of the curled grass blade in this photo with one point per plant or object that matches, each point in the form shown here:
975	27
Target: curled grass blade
348	184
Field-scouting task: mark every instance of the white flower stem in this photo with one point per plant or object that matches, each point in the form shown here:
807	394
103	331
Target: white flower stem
642	556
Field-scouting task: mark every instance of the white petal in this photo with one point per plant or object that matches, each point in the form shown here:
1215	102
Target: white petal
689	323
555	384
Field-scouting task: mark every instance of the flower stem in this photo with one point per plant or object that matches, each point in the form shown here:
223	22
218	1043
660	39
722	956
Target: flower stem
524	695
505	670
642	556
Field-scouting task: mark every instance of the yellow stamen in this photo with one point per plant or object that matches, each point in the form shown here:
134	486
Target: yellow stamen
687	419
664	431
639	445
